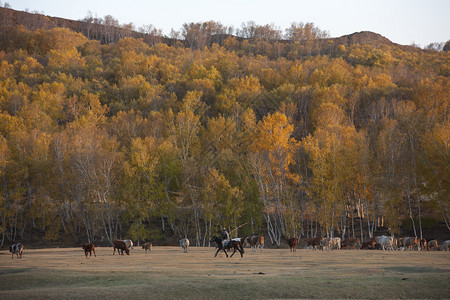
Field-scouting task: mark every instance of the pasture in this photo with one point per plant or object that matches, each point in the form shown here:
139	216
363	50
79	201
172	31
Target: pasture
168	273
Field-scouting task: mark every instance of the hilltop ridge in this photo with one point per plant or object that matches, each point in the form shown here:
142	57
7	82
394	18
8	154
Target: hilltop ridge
364	38
33	21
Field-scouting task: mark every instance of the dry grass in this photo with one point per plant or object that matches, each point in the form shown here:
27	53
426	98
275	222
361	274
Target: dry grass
167	273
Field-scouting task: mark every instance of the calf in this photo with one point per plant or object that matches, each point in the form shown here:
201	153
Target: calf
370	244
89	248
351	243
292	242
314	242
147	247
120	246
16	249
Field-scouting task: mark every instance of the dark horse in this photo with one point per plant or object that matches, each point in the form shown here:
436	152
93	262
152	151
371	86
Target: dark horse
230	245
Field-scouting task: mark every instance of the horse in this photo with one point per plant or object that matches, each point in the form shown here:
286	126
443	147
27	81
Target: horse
89	248
235	245
16	249
120	246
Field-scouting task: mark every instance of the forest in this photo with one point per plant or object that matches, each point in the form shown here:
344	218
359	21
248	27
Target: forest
287	133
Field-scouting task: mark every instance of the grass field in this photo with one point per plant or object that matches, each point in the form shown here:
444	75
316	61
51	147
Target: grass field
167	273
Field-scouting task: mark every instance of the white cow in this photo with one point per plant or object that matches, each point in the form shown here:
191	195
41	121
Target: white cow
385	241
129	244
446	245
184	243
240	240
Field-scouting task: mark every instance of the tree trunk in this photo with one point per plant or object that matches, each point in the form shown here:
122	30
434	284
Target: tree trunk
410	211
353	224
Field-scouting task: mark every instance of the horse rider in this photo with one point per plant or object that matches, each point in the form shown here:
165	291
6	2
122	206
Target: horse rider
225	237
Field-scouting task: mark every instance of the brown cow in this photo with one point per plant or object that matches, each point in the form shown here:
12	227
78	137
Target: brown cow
292	242
370	244
147	246
89	248
120	246
423	244
350	243
255	242
314	242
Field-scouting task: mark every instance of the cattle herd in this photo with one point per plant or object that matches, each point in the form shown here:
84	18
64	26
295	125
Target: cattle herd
323	243
382	242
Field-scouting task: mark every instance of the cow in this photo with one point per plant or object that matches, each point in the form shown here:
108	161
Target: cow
351	243
433	244
184	243
238	239
423	244
314	242
147	247
121	246
89	248
446	245
292	242
325	243
255	242
395	243
385	241
370	244
410	243
335	243
16	249
129	244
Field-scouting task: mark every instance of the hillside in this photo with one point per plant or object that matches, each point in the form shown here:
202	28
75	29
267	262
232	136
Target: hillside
106	135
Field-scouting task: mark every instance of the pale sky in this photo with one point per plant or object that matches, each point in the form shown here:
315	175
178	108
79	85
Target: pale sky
402	21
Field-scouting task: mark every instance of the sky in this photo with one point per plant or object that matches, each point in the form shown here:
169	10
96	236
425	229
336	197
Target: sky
402	21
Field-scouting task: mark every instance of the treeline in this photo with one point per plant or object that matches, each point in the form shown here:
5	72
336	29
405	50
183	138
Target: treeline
129	139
